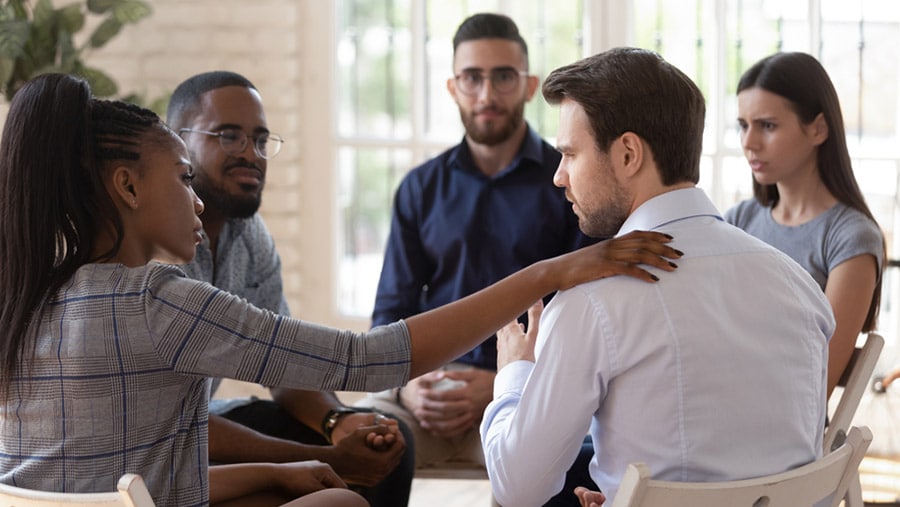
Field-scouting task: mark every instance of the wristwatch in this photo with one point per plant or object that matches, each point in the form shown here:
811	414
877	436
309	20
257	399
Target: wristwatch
331	419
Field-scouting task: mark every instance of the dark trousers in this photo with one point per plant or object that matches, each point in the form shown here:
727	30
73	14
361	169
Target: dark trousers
268	417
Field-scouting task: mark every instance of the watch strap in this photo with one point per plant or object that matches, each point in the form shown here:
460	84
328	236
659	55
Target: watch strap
329	422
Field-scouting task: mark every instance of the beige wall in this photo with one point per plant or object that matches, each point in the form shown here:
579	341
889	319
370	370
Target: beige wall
283	46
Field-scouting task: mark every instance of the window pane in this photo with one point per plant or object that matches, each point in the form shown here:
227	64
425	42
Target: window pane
367	180
373	71
859	51
553	32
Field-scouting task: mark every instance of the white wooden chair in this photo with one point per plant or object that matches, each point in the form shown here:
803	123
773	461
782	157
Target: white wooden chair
854	381
132	492
824	479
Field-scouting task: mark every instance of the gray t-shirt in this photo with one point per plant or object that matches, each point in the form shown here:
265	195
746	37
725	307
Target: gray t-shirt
838	234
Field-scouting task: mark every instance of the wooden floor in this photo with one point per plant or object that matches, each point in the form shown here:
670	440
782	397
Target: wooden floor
450	493
880	481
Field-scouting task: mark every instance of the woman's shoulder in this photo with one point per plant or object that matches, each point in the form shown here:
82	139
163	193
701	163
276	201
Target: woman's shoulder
743	212
845	216
125	277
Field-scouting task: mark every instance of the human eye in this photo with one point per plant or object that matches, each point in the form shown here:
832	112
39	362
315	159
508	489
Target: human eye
472	78
767	125
188	177
505	75
742	125
230	136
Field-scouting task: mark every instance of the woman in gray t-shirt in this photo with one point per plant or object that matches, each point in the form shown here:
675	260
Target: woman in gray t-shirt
807	202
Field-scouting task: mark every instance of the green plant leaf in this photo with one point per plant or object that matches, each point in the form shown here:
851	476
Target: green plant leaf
131	11
71	19
41	46
7	66
101	84
68	55
108	29
44	14
13	37
14	9
9	12
100	6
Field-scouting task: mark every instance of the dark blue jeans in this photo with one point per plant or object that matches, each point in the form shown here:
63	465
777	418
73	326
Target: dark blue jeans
268	417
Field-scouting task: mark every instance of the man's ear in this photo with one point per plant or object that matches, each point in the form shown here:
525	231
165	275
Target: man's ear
531	84
631	153
124	189
451	88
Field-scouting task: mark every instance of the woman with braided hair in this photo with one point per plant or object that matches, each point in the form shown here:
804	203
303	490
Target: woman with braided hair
108	346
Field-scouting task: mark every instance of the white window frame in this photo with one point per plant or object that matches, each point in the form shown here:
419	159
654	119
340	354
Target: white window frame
607	24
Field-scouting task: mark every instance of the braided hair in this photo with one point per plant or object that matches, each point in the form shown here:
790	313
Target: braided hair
57	143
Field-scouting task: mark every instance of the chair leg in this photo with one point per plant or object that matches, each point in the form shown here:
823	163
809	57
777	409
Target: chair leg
853	496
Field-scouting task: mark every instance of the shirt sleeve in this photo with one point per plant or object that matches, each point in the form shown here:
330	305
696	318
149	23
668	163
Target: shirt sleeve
534	428
851	235
200	330
406	269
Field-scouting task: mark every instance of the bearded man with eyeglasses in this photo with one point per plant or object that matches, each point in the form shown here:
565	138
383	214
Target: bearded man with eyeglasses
465	219
221	118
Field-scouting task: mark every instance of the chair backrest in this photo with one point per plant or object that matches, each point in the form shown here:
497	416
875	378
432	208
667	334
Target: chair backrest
132	492
854	380
824	479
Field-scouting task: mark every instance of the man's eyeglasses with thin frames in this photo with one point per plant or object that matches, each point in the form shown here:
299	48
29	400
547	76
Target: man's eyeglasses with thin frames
234	141
503	80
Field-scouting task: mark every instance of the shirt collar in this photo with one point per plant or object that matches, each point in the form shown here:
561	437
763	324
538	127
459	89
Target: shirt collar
531	149
670	207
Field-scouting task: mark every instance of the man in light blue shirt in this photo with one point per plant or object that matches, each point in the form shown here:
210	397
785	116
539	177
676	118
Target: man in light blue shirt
717	372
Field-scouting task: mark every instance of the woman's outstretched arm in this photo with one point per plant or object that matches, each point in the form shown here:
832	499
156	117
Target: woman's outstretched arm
449	331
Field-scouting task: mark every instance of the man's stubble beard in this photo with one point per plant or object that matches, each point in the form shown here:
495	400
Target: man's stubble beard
491	137
608	220
216	196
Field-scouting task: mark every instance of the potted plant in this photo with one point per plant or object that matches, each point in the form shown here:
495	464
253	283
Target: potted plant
36	38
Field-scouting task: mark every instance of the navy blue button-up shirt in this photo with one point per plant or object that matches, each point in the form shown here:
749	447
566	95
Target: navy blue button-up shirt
455	231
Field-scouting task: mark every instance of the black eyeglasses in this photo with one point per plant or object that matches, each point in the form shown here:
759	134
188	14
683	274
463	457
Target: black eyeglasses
504	80
234	141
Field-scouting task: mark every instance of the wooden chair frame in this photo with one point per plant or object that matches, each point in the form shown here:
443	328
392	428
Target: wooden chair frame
826	478
131	492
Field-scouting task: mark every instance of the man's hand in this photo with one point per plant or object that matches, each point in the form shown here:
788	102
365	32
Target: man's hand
589	498
385	434
449	402
366	447
514	343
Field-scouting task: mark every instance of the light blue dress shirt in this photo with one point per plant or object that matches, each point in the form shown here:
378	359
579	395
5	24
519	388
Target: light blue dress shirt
716	372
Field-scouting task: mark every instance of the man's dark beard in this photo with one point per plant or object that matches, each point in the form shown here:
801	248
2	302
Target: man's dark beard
232	206
493	138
